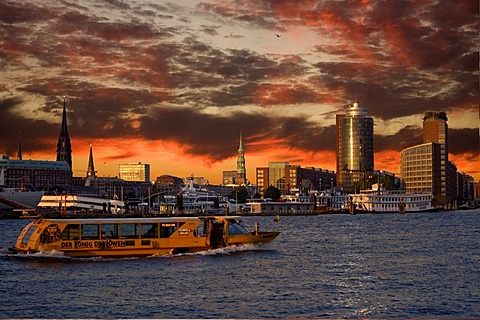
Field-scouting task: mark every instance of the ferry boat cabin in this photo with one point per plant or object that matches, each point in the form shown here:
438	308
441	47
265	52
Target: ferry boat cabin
135	237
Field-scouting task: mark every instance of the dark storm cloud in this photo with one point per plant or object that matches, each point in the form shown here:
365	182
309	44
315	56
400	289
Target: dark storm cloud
463	141
33	134
405	138
397	59
196	131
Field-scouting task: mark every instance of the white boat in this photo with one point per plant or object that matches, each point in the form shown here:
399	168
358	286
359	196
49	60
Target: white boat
191	200
70	204
331	202
379	200
19	199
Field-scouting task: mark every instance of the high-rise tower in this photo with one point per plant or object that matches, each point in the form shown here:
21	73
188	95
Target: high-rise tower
64	147
435	129
241	171
425	167
354	147
91	167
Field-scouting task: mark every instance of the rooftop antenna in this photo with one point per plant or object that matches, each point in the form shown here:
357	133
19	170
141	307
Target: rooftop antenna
356	93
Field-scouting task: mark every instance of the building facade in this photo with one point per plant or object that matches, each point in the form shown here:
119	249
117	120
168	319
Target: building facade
425	168
229	177
262	179
34	174
291	179
134	171
418	165
355	153
302	180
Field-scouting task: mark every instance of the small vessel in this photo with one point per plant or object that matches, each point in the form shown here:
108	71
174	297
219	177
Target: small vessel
19	199
379	200
191	201
135	237
70	204
331	201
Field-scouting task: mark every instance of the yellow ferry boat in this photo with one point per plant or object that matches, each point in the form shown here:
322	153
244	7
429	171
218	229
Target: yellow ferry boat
135	237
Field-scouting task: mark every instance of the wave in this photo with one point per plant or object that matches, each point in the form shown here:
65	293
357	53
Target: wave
55	255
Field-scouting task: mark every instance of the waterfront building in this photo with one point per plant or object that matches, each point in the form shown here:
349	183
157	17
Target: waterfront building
355	153
465	188
435	129
229	177
262	179
64	147
302	180
40	175
168	185
276	175
199	181
476	191
241	169
425	167
290	179
418	165
134	171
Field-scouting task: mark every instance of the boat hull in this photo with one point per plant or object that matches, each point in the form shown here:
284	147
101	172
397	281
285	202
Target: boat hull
10	200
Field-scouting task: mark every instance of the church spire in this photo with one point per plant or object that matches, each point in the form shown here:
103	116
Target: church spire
19	151
91	167
64	147
241	171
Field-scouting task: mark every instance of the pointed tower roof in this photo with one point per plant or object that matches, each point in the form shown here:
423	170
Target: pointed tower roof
241	171
19	151
64	147
91	167
240	147
64	129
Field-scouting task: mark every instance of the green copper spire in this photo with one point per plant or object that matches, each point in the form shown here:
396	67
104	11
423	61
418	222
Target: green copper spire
241	171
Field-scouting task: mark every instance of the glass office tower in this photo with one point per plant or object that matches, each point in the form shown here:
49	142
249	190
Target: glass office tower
354	147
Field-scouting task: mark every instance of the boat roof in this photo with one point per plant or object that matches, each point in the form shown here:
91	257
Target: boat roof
122	220
137	220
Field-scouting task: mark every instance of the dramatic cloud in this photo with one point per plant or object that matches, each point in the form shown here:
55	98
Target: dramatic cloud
191	75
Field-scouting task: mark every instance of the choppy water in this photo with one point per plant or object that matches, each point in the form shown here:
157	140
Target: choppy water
331	266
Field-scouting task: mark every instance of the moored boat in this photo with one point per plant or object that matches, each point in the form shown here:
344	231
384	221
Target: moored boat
18	199
379	200
135	237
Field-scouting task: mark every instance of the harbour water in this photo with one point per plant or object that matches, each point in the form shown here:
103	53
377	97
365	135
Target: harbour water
418	265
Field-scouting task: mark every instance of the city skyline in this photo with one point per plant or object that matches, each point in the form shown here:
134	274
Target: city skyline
173	84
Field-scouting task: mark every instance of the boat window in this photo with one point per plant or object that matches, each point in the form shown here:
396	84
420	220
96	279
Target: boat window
149	230
235	228
90	231
198	230
111	230
167	229
71	232
29	233
130	230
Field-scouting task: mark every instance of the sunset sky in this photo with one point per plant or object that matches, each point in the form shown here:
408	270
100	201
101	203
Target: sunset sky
173	83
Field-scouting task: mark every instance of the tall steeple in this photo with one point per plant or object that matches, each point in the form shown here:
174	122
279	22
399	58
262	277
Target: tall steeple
241	171
19	151
64	147
91	168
